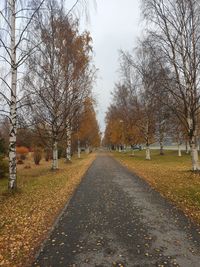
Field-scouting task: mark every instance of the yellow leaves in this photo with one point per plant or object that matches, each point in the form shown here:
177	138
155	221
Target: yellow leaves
28	216
88	127
171	176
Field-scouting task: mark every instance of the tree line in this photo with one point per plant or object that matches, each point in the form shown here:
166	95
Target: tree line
158	92
46	81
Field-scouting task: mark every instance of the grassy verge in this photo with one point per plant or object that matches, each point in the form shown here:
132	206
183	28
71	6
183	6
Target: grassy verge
170	175
27	216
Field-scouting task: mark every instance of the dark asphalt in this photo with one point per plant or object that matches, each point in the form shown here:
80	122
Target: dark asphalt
116	219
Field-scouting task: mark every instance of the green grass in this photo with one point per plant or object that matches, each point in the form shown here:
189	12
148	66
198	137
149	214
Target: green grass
169	155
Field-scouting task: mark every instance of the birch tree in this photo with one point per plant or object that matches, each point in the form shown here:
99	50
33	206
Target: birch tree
177	39
58	76
123	114
15	19
143	63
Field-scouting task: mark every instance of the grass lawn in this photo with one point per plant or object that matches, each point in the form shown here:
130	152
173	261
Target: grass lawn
28	215
170	175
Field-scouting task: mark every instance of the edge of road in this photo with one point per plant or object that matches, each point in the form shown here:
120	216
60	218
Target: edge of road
63	210
175	207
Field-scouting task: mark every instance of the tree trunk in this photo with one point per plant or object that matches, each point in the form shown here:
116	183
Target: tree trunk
186	147
68	149
194	154
148	153
161	148
55	156
68	153
79	150
13	110
198	147
179	150
161	138
87	150
193	146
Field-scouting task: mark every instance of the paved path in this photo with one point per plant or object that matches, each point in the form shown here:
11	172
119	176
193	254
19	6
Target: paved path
116	219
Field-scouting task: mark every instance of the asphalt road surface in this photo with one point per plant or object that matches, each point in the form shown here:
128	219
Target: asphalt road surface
117	219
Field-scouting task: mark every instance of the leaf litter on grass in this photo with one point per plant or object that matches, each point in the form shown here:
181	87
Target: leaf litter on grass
26	217
171	176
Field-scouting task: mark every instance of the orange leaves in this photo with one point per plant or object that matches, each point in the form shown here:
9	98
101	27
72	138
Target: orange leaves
74	47
22	150
26	217
88	128
116	133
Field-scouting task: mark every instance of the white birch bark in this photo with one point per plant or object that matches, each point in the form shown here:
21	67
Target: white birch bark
195	156
193	148
179	150
68	149
13	109
148	153
124	148
87	150
198	144
161	148
55	156
186	147
79	150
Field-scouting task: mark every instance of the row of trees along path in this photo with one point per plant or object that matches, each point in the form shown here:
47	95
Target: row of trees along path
47	76
158	93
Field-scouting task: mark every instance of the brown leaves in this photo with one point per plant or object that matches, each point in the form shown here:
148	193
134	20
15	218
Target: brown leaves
27	217
171	176
88	128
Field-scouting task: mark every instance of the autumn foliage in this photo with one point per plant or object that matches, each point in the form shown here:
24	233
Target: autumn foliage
37	155
88	129
26	218
22	151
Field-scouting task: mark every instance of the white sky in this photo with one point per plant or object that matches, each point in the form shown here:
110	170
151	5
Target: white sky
114	25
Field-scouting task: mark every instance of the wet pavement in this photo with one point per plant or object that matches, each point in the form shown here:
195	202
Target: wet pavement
116	219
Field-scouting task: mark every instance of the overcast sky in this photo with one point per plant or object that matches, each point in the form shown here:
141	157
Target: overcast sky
114	25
